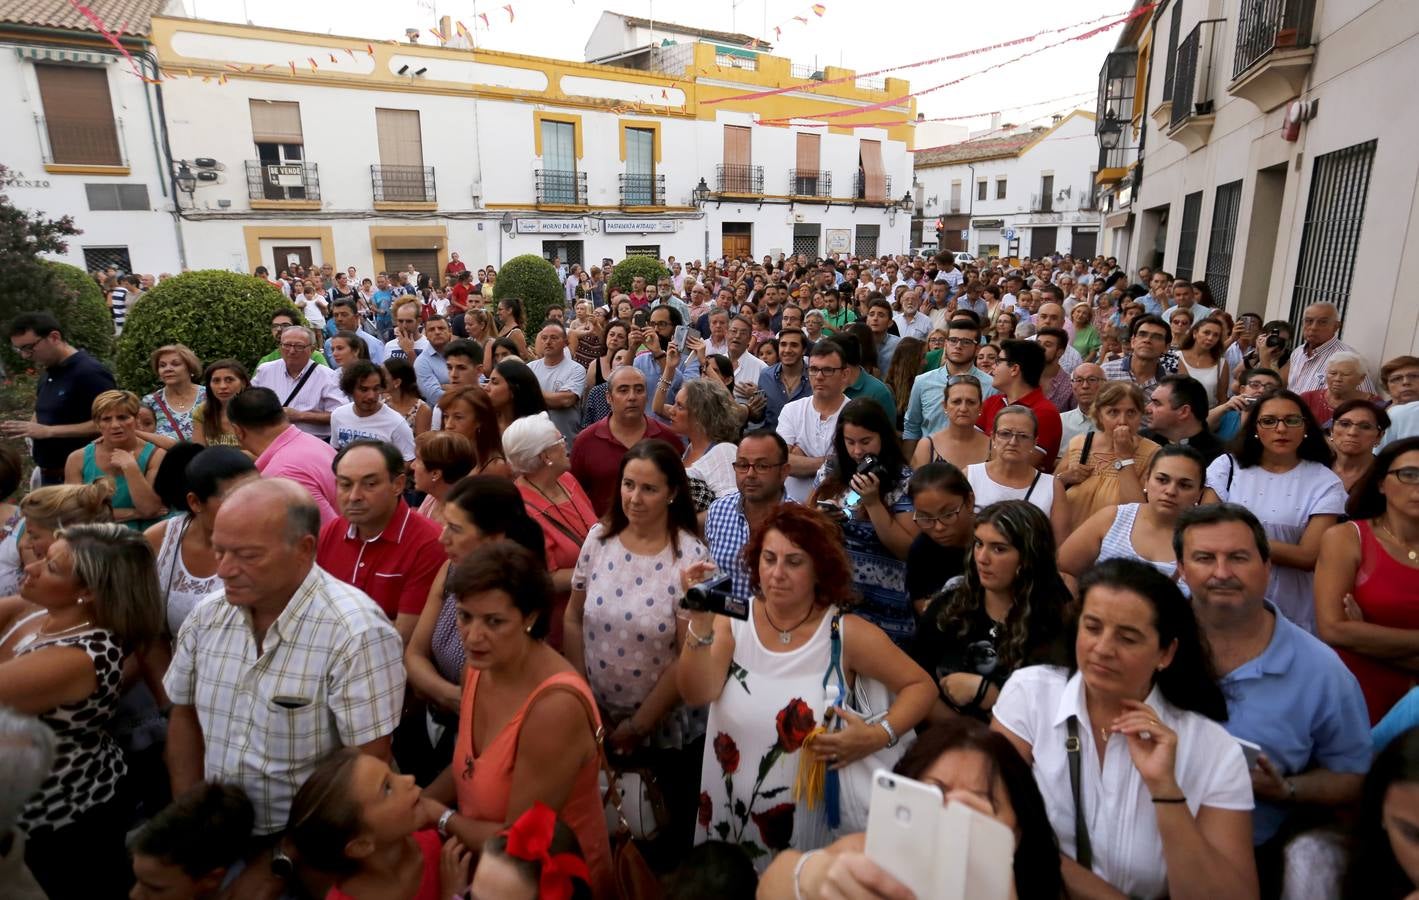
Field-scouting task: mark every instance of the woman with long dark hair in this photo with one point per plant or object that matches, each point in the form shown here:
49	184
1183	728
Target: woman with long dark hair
222	380
598	371
943	507
510	324
1147	792
1279	468
1383	851
515	392
971	765
1006	612
870	501
403	396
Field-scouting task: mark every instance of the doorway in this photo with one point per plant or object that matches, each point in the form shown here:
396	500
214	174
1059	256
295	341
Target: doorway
285	257
425	262
736	240
1261	239
1084	243
567	251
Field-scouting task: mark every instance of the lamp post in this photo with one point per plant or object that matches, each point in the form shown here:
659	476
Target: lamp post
1110	132
699	196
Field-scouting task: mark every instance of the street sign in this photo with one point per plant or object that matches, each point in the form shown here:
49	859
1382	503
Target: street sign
965	233
1010	234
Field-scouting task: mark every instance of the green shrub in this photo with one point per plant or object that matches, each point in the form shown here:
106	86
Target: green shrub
636	266
216	314
76	300
531	279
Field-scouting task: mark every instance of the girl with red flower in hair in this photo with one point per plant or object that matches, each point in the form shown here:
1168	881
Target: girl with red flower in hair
762	679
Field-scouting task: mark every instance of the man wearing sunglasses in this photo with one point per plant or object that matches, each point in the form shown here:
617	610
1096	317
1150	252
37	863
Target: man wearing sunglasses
63	412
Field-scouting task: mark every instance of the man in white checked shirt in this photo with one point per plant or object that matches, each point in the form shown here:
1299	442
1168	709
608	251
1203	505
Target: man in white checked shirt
283	666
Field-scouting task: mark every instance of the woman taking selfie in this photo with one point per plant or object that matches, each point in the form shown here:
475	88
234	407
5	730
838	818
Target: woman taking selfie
1173	482
1010	473
971	765
874	511
960	443
1007	612
1104	466
763	679
119	454
943	507
1280	470
1163	795
516	685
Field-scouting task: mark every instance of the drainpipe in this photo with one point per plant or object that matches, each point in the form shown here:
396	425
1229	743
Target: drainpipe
167	161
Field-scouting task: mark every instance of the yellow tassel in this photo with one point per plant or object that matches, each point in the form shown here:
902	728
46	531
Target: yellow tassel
812	773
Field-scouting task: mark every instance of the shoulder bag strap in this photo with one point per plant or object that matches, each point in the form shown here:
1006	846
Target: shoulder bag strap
1231	472
558	524
598	734
1032	486
305	376
162	404
1088	443
1083	851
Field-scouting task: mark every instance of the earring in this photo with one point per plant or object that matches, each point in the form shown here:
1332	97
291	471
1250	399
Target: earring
528	629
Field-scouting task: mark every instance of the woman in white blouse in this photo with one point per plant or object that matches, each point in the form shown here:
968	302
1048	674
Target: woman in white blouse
703	414
1164	796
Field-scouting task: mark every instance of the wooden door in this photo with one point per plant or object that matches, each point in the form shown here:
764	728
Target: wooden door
735	246
282	256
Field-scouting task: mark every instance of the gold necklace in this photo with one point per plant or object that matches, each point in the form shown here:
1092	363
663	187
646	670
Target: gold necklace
1412	553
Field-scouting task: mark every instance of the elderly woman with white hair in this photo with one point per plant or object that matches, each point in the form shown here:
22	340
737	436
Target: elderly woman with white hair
553	497
1345	372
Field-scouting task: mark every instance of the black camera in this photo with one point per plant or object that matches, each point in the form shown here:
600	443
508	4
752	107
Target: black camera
714	596
1275	339
871	465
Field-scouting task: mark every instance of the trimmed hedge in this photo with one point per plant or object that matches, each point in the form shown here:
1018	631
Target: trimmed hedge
637	266
216	314
533	280
76	300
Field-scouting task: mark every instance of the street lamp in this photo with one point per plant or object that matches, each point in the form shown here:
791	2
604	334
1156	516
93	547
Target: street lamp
186	178
1110	131
700	195
908	202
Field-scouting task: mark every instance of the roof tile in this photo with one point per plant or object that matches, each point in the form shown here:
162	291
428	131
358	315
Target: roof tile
133	16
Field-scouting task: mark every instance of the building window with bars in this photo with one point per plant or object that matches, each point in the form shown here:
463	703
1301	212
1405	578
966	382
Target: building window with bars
280	150
865	240
805	240
1330	238
1225	206
101	259
640	167
1187	240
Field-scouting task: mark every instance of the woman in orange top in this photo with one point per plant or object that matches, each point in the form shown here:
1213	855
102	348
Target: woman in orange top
516	684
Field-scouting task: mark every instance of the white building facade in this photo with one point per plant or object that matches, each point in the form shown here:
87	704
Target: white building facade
1264	148
82	137
1014	192
386	155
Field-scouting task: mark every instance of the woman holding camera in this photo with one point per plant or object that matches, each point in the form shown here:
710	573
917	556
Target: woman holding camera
863	485
1007	612
763	679
1147	793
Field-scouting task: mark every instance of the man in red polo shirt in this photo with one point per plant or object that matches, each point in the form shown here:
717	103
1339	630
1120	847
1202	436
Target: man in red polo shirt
1017	376
597	451
378	544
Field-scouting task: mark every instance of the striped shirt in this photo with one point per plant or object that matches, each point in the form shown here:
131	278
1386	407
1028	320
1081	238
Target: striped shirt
329	674
1308	368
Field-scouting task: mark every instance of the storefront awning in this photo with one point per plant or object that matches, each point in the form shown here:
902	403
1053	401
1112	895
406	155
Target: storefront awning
63	55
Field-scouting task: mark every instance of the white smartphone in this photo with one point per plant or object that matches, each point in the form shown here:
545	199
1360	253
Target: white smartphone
903	816
1250	751
681	332
987	871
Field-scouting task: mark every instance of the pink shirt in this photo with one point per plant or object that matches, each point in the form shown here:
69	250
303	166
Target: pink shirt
306	460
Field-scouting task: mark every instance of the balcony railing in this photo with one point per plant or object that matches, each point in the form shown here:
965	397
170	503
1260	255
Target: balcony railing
642	190
403	184
738	179
1267	25
560	187
81	141
282	181
872	188
1192	76
810	183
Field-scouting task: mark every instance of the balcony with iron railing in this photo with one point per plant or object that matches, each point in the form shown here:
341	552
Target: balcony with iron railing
642	190
560	187
810	183
1273	52
282	182
86	141
1192	114
403	184
872	188
731	178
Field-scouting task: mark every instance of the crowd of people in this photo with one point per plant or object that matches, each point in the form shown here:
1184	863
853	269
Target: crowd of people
395	610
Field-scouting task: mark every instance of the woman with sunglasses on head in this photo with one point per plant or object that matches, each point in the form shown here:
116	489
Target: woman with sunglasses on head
960	443
1280	470
943	507
1357	427
1173	481
1006	612
1365	576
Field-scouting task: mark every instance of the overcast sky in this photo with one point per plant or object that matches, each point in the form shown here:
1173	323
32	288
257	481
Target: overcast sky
860	34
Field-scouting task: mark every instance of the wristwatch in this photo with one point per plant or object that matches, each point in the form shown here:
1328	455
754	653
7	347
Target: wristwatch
891	733
1120	464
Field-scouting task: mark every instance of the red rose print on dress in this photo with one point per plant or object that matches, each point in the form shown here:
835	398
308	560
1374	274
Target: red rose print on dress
775	825
706	809
726	753
794	721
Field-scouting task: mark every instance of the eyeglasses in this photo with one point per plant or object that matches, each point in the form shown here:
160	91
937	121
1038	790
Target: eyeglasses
762	468
1352	425
1088	379
1259	385
1010	437
1291	421
823	371
946	518
285	346
28	349
960	341
1406	475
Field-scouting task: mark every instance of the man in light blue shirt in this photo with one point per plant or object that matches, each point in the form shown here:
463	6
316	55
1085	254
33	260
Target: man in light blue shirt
926	408
1185	297
343	313
1287	692
430	367
651	361
879	319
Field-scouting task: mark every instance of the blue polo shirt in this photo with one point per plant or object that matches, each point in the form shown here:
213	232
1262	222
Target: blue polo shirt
926	408
652	369
777	396
1301	705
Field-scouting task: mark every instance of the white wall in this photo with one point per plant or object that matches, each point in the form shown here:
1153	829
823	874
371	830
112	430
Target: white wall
149	235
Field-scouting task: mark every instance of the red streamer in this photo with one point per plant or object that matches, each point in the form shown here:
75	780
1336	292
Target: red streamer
108	36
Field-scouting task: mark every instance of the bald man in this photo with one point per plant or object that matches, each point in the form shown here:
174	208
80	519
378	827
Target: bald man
1086	381
1051	315
283	666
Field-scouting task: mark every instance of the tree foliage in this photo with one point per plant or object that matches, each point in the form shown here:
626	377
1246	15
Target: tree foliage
531	279
637	267
216	314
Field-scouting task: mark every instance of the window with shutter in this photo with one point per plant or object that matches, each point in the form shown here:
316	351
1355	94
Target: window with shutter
280	146
559	162
874	176
806	176
738	177
401	174
640	167
78	115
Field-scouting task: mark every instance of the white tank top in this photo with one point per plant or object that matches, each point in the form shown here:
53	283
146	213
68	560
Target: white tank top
182	589
987	491
1208	379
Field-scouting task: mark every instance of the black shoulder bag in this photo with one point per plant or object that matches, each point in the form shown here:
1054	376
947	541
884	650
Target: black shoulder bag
1083	852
